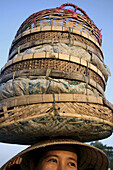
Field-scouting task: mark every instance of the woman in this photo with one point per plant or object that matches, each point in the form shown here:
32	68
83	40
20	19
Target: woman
62	154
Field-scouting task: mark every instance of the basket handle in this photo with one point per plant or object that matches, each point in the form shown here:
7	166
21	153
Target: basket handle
74	6
68	4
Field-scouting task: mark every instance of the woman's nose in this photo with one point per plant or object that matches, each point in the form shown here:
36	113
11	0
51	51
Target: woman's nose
61	166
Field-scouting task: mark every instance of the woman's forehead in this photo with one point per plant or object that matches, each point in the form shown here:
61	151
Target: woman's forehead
60	152
60	155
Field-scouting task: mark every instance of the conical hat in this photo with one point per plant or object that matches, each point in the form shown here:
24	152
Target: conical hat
89	156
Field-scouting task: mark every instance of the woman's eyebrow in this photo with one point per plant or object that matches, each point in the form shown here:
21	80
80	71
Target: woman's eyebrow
72	159
50	155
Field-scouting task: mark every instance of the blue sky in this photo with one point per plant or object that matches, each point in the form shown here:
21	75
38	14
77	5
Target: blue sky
13	13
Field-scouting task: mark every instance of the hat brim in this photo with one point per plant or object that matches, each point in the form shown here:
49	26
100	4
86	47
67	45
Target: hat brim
90	157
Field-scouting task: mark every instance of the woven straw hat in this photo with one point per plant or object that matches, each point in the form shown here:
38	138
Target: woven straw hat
90	157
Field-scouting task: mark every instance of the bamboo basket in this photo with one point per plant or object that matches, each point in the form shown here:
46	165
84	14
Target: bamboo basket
54	81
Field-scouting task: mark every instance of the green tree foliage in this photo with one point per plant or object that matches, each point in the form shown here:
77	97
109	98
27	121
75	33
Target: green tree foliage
108	150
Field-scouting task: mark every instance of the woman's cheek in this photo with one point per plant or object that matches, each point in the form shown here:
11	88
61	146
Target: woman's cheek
48	166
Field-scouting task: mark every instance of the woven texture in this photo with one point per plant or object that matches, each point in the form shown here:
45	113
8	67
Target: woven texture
60	65
80	121
54	81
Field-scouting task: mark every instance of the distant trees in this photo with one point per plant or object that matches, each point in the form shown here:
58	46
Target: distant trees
108	150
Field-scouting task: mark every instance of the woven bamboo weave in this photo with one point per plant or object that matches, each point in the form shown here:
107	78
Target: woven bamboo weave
54	81
74	120
60	17
55	37
60	65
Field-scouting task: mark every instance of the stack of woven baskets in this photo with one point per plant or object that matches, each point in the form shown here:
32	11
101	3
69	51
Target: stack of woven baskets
53	83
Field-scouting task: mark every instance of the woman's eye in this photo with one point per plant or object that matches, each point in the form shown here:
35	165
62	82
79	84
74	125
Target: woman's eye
52	160
72	164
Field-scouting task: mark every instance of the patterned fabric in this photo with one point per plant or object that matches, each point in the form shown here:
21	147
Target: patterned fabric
41	85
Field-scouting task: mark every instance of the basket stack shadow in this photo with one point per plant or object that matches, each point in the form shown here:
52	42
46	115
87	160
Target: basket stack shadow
53	83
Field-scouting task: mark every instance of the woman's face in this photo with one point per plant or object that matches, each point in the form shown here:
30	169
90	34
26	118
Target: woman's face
59	159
